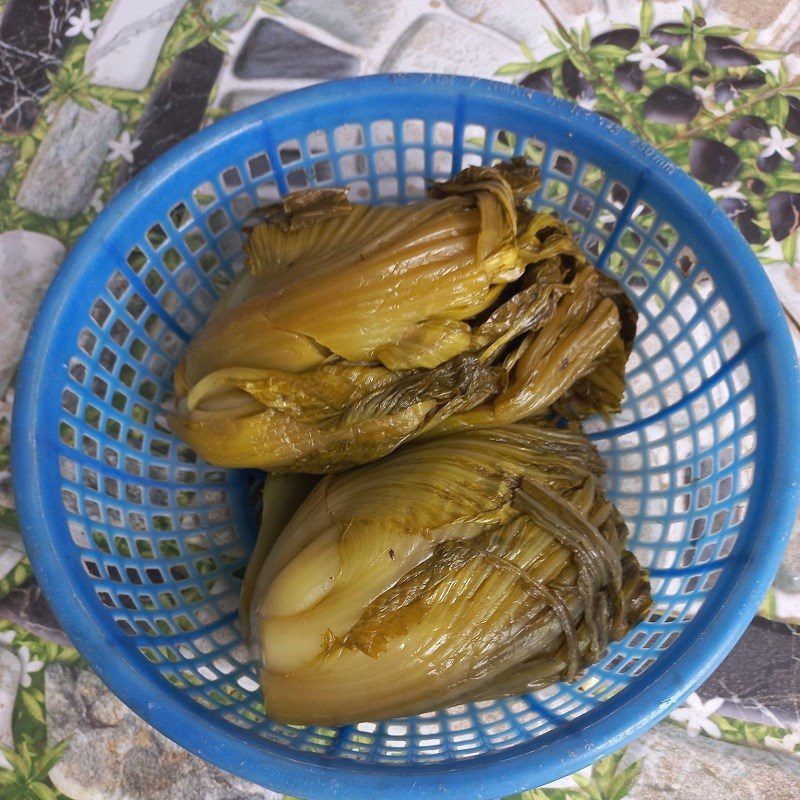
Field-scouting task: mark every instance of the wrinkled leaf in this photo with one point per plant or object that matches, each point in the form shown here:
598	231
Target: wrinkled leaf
325	355
444	535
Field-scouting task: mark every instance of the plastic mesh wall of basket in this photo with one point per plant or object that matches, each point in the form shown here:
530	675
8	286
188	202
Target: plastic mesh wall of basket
156	541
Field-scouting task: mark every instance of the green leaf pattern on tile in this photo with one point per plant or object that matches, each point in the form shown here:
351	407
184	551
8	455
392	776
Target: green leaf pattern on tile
608	780
613	777
692	72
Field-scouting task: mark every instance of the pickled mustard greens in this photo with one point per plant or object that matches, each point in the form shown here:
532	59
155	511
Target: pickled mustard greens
472	566
357	328
471	552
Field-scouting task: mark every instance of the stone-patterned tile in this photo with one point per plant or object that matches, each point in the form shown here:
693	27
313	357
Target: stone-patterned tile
70	157
27	607
520	20
785	279
28	262
126	46
112	753
10	541
761	676
787	582
176	106
752	13
789	573
569	7
32	43
238	10
359	22
242	98
676	765
787	605
274	50
12	550
435	43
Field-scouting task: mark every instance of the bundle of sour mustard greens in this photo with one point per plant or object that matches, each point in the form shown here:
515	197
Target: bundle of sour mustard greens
456	343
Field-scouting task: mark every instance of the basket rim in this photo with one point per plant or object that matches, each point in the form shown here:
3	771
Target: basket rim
606	727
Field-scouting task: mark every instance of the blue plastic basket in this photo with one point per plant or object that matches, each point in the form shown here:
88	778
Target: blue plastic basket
140	546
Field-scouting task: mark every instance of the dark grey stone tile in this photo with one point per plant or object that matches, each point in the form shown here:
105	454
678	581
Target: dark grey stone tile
32	43
275	51
761	675
8	154
176	107
27	607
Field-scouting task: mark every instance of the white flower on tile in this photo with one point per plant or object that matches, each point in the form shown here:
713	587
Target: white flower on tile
696	714
786	745
776	142
7	637
650	56
123	148
29	665
82	24
732	191
96	203
705	94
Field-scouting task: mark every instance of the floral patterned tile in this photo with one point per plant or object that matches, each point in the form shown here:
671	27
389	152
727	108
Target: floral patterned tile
114	83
